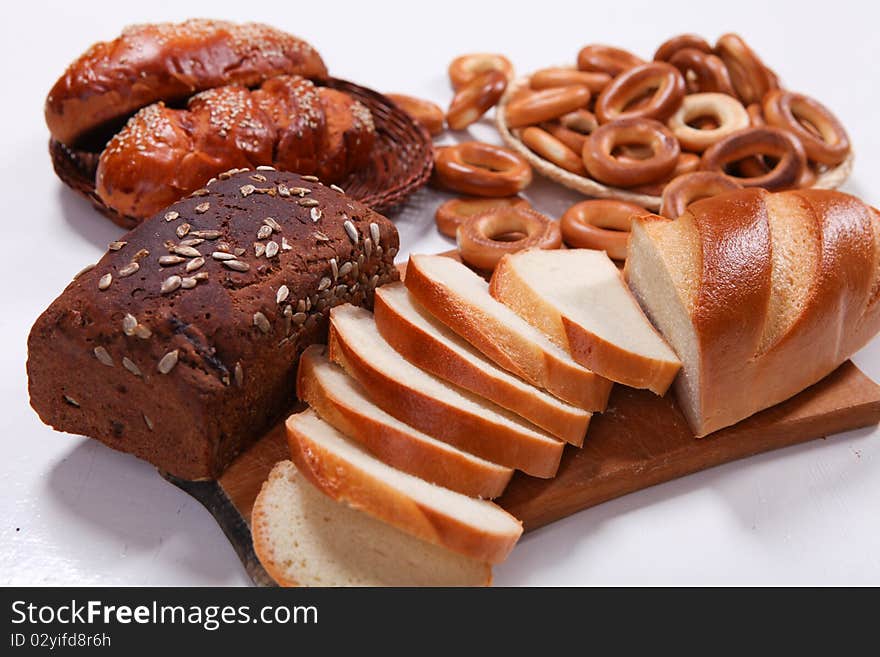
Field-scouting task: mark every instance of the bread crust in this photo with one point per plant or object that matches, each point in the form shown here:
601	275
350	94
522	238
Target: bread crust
420	348
169	62
234	342
471	433
392	446
738	374
346	483
561	377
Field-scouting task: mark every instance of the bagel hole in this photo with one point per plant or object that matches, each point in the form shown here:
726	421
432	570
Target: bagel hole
638	102
632	151
703	122
515	236
810	127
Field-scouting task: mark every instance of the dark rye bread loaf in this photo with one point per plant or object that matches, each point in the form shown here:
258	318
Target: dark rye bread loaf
181	345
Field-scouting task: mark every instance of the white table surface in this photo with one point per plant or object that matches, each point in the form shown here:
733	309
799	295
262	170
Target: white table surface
76	512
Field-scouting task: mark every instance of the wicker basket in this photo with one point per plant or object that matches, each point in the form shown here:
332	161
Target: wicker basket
830	179
400	163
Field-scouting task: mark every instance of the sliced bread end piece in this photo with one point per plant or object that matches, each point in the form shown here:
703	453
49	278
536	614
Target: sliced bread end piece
304	538
344	403
579	295
347	473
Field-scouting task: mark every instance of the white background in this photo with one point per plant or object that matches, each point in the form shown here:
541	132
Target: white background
75	512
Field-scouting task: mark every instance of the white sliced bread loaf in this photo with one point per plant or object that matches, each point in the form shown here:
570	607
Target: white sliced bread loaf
761	294
579	299
426	402
343	402
425	342
460	299
304	538
346	472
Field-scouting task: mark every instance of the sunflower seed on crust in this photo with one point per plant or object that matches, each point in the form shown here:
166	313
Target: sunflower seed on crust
70	400
351	231
188	282
148	421
258	177
300	191
171	216
265	167
170	284
264	233
283	190
259	249
115	246
324	284
143	332
247	190
274	225
170	260
238	251
167	362
345	269
374	232
311	178
182	230
202	208
186	251
299	318
282	294
207	234
222	255
308	202
272	249
129	324
195	263
316	214
131	366
129	269
193	241
337	188
236	265
103	356
105	281
84	270
334	268
285	245
261	322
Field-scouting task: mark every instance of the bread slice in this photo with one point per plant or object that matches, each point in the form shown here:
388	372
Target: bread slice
425	342
343	402
460	299
442	411
304	538
579	299
348	473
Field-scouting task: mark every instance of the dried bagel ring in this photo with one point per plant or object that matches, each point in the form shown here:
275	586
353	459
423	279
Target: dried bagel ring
478	237
571	138
465	68
605	59
600	224
423	112
550	148
781	145
687	163
475	99
480	169
756	115
709	72
548	78
454	211
669	48
788	110
726	110
750	78
545	105
582	121
664	79
684	190
605	168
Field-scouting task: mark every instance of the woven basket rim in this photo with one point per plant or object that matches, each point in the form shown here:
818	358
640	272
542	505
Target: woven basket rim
396	132
831	179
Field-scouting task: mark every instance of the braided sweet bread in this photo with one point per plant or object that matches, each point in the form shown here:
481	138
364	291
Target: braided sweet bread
761	295
163	153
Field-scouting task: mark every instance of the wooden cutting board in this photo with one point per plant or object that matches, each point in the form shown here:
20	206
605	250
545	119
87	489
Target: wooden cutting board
641	440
